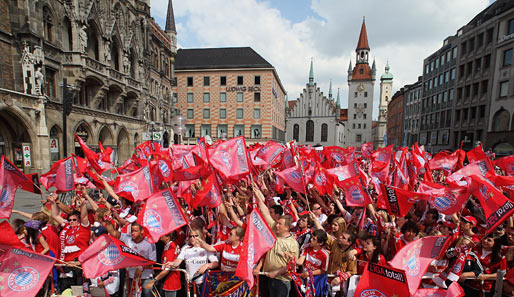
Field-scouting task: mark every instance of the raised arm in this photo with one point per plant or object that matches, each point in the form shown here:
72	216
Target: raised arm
262	206
55	210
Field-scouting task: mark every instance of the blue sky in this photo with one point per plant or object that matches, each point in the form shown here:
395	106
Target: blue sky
288	33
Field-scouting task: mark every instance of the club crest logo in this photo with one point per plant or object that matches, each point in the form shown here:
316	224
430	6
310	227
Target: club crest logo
130	187
226	158
321	179
296	177
337	157
372	293
6	197
153	221
71	239
381	158
263	150
444	202
23	279
355	194
411	263
483	192
165	169
110	256
510	167
147	150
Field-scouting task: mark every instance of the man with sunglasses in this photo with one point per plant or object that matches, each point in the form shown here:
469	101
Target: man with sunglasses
318	212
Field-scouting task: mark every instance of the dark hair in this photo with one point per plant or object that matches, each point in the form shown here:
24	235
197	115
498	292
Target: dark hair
495	253
377	243
352	237
18	226
137	225
41	216
310	222
410	226
433	212
74	213
278	209
321	236
32	235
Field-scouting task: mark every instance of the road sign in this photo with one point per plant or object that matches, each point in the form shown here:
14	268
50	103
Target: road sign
157	136
26	156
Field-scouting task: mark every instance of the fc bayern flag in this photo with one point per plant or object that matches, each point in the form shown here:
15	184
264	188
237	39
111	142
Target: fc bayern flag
10	179
9	238
367	149
335	156
23	272
96	160
322	181
60	176
106	254
258	240
134	186
399	201
271	153
23	181
163	164
506	164
445	161
201	170
147	148
447	200
354	192
382	157
161	215
416	256
209	194
293	178
382	281
341	173
230	158
497	208
454	290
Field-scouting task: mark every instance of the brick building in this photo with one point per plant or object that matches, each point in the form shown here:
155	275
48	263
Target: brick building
229	92
395	119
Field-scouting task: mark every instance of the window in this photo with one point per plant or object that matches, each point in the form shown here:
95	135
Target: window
206	81
256	131
355	105
366	104
355	94
448	56
175	98
504	88
223	80
223	113
447	76
487	61
223	97
364	125
436	63
324	132
257	97
485	83
442	60
190	130
239	113
206	113
190	98
475	89
473	112
427	68
47	24
189	81
296	132
471	44
481	111
480	40
206	97
465	114
256	113
510	27
365	94
358	138
364	115
361	70
457	115
257	80
358	126
507	57
452	74
240	80
190	114
309	131
454	53
239	96
239	130
354	116
353	126
501	120
50	82
206	130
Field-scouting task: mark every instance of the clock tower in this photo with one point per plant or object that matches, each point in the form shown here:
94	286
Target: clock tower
361	81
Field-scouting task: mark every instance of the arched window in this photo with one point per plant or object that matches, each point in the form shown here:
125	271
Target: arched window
115	56
68	35
501	120
47	24
296	132
309	133
92	42
324	132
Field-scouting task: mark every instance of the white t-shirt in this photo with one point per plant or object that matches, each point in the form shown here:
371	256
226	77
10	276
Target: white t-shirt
196	257
145	249
322	218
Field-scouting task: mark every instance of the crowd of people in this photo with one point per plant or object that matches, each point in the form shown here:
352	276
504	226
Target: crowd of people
316	235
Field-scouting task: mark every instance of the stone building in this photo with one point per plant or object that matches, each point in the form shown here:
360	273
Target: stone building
386	90
315	119
361	80
118	64
411	112
395	119
230	92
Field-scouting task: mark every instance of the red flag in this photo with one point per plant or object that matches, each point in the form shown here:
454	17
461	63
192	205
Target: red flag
201	170
416	256
107	253
128	166
60	176
399	201
444	161
271	153
208	194
367	149
10	179
445	199
497	208
341	173
147	148
477	155
293	178
382	157
418	159
335	156
354	192
287	160
454	290
322	181
134	186
9	238
23	272
258	240
96	161
230	158
105	153
11	174
506	164
382	281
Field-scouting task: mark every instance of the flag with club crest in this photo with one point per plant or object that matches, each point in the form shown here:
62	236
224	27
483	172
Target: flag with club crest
354	192
271	153
60	176
100	162
399	201
506	164
322	181
367	149
11	178
230	159
106	254
341	173
208	194
445	161
147	148
447	200
293	178
135	186
382	281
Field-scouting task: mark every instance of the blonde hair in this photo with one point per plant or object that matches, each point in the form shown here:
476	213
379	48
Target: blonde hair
342	226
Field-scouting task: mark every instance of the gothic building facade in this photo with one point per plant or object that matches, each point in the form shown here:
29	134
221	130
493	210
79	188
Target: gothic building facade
118	65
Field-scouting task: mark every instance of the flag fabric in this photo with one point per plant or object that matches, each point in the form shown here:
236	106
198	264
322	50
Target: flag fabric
444	161
322	181
209	194
287	160
201	170
293	178
399	201
271	153
107	253
9	238
257	241
454	290
367	149
378	280
415	258
335	156
163	165
60	176
135	186
10	179
506	164
477	155
223	283
161	215
497	208
22	181
99	162
147	148
23	272
447	200
355	193
418	157
230	159
341	173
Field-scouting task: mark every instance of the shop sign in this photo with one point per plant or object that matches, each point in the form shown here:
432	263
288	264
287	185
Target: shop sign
243	89
26	156
54	145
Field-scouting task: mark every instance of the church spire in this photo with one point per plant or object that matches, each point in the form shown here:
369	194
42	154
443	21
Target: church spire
311	74
338	102
330	91
170	19
363	38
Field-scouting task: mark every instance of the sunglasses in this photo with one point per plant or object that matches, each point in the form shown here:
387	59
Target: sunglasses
316	208
193	236
74	220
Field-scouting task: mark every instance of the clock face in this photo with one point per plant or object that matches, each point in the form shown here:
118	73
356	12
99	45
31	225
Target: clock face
359	110
361	88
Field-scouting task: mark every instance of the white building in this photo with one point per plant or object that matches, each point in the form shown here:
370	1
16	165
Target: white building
386	89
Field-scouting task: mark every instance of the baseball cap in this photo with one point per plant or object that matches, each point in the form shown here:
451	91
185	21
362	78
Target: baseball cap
99	230
471	220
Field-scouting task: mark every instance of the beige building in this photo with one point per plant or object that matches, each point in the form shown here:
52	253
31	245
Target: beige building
229	92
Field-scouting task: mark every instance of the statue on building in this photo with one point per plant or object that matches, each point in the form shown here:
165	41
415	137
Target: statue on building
83	38
40	81
126	63
107	51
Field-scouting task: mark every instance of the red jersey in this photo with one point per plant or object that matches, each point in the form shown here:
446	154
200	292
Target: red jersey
74	240
170	253
363	257
489	268
229	255
315	259
52	238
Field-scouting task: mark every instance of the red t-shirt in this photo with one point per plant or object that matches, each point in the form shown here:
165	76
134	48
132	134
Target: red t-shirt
52	238
229	255
363	257
172	282
315	259
73	238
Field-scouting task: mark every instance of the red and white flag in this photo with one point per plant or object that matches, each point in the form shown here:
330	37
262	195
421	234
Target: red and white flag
399	201
161	215
209	194
60	175
257	241
11	178
135	186
293	178
230	159
106	254
382	281
9	239
271	153
355	193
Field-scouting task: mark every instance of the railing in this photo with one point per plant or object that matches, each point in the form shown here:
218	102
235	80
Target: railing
94	64
115	74
133	83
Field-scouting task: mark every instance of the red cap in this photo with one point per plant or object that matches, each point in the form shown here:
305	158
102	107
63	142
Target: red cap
471	220
303	213
448	224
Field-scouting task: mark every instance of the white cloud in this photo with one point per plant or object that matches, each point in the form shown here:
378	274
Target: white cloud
401	31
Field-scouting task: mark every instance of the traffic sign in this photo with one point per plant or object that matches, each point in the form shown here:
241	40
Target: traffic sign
157	136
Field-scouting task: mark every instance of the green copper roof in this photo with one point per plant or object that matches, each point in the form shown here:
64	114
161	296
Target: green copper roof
387	75
330	90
